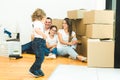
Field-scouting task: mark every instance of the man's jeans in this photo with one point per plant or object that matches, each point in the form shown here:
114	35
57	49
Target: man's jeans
27	48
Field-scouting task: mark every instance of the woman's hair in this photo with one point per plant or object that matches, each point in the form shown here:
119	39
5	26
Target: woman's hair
53	26
69	23
38	14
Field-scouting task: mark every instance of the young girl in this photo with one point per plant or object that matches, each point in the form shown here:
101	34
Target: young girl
51	42
39	43
66	40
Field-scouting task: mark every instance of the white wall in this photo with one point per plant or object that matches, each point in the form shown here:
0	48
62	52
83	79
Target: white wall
18	12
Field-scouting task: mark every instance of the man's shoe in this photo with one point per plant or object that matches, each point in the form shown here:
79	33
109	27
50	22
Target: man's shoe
34	73
41	73
15	56
19	57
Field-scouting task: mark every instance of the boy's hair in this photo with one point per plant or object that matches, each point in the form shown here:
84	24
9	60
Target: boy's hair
38	14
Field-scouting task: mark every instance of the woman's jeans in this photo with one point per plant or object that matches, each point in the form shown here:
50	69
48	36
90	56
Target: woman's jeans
67	50
38	46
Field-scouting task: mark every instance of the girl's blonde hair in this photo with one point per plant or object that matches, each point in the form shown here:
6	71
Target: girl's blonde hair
38	14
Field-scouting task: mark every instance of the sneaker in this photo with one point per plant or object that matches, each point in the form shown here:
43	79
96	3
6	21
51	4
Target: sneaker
84	59
51	56
40	72
34	73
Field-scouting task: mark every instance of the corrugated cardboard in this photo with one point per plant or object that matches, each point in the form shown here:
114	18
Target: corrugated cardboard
100	53
84	45
99	16
80	27
99	31
57	22
74	25
75	14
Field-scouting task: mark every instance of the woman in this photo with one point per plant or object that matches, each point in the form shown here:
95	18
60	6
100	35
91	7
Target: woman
66	40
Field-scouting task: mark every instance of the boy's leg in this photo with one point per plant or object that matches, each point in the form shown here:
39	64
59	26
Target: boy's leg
38	46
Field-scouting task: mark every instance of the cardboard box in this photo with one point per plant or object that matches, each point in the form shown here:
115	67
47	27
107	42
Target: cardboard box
99	16
80	27
74	25
57	22
83	49
99	31
75	14
78	48
100	53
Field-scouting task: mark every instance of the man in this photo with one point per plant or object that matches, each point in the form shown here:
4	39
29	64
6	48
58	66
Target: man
28	46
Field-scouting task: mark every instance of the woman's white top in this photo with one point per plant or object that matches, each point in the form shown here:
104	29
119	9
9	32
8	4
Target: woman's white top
65	37
38	25
53	40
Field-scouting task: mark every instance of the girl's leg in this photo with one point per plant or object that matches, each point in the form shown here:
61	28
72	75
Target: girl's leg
54	51
47	51
52	54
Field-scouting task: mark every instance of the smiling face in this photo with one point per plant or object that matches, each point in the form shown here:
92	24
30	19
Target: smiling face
53	30
64	24
48	23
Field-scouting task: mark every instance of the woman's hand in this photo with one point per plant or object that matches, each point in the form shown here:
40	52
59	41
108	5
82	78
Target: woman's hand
74	42
69	43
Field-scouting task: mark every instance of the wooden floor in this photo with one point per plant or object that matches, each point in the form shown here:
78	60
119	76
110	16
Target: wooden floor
18	69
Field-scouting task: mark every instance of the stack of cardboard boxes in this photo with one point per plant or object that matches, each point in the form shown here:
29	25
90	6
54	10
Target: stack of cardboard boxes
57	22
77	20
95	30
100	44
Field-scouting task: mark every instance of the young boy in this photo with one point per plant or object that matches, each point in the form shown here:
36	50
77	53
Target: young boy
39	43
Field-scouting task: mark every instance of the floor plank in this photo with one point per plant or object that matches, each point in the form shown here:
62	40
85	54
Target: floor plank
18	69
